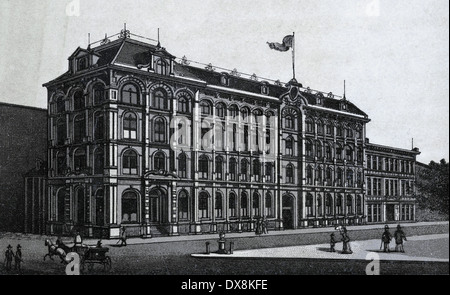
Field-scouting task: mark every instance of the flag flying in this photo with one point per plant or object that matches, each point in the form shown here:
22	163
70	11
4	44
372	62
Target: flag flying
288	42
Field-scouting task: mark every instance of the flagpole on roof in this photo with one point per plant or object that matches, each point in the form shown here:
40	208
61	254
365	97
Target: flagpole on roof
293	55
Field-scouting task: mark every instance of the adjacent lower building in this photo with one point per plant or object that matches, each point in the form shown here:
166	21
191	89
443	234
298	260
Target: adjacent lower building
143	140
390	181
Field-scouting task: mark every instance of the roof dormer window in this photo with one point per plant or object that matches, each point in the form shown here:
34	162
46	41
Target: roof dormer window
264	89
161	67
82	63
224	80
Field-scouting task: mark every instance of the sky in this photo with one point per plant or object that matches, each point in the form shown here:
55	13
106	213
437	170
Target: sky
393	55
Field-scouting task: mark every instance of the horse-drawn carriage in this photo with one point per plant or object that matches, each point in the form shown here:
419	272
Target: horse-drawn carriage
89	255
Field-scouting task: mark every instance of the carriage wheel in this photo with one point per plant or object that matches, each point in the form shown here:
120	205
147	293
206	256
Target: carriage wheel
107	264
90	266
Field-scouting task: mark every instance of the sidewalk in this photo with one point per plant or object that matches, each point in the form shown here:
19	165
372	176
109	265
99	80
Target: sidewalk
293	232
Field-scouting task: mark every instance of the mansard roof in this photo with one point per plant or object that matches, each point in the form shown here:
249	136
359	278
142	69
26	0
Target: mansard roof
133	53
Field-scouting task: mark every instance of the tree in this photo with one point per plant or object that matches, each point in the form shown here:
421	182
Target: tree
432	185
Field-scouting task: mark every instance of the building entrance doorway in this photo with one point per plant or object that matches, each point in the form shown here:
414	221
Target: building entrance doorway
288	211
390	212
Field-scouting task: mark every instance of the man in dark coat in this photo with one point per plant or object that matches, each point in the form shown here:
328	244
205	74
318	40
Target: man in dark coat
123	237
386	238
332	243
9	255
18	258
346	248
399	236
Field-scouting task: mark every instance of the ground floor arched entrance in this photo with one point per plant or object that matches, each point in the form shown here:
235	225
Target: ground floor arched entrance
288	211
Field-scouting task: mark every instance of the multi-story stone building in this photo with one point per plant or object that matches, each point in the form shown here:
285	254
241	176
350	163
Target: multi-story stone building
143	140
390	178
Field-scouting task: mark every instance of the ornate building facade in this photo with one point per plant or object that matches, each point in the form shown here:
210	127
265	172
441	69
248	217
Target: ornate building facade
141	140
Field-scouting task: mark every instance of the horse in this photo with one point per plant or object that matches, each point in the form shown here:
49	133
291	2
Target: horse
54	250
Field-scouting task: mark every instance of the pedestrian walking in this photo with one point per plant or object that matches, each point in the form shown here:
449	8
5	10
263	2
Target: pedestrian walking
123	237
399	237
346	248
9	255
265	225
18	258
386	238
332	243
258	229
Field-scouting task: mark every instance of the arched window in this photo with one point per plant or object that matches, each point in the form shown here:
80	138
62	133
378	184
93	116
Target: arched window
338	152
349	132
319	174
329	176
289	173
61	133
256	206
159	100
61	205
183	104
232	169
99	161
359	155
130	94
130	126
160	130
244	113
339	177
309	148
329	129
218	204
329	205
99	126
161	67
244	169
80	208
309	205
350	177
349	203
339	130
182	166
309	175
205	108
203	169
60	105
233	111
244	204
348	153
339	205
61	164
183	205
99	94
232	205
129	207
220	110
79	128
79	159
129	162
319	205
289	146
320	128
256	169
269	172
328	153
269	205
159	161
319	151
203	205
219	168
78	101
289	121
309	126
